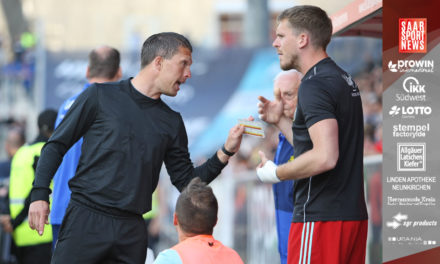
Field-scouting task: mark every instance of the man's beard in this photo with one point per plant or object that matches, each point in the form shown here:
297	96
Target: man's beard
291	64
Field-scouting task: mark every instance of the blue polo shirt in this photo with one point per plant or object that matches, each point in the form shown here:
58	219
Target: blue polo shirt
283	196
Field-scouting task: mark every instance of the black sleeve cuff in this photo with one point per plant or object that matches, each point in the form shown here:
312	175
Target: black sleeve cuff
40	193
216	163
207	172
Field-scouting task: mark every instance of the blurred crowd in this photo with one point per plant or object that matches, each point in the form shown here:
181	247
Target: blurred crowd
370	85
22	64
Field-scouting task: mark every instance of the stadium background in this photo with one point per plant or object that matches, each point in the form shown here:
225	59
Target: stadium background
43	57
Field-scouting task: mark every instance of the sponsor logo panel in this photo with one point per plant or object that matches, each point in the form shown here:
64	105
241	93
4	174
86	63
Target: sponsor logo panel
409	111
411	131
411	156
412	90
411	66
412	35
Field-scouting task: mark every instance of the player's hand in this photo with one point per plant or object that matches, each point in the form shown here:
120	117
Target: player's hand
235	136
38	216
270	111
267	170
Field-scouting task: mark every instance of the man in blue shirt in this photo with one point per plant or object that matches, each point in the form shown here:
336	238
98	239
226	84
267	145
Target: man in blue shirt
103	67
285	90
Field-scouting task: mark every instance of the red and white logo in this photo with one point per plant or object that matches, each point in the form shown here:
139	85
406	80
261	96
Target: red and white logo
412	35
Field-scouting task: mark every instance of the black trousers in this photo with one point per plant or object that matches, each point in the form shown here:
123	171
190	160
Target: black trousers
92	236
38	254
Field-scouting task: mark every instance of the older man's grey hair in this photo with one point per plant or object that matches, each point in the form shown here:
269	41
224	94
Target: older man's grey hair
288	72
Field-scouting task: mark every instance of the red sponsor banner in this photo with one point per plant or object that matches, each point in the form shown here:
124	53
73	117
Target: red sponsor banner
345	20
412	35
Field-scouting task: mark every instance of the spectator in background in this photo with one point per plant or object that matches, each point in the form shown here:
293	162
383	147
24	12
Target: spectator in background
14	140
370	147
378	138
18	50
195	218
286	91
103	67
3	58
30	247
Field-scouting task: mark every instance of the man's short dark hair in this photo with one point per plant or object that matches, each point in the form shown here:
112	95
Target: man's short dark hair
164	44
46	121
197	208
312	19
104	62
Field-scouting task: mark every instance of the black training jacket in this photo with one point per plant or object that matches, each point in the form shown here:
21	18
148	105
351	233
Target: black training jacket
127	137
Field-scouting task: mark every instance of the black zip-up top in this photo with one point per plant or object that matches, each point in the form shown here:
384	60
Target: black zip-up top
127	137
328	92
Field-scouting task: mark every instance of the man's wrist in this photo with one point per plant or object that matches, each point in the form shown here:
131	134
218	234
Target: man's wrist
226	152
268	173
40	194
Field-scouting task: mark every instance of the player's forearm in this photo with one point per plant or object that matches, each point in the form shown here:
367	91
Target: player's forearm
50	159
285	126
309	164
